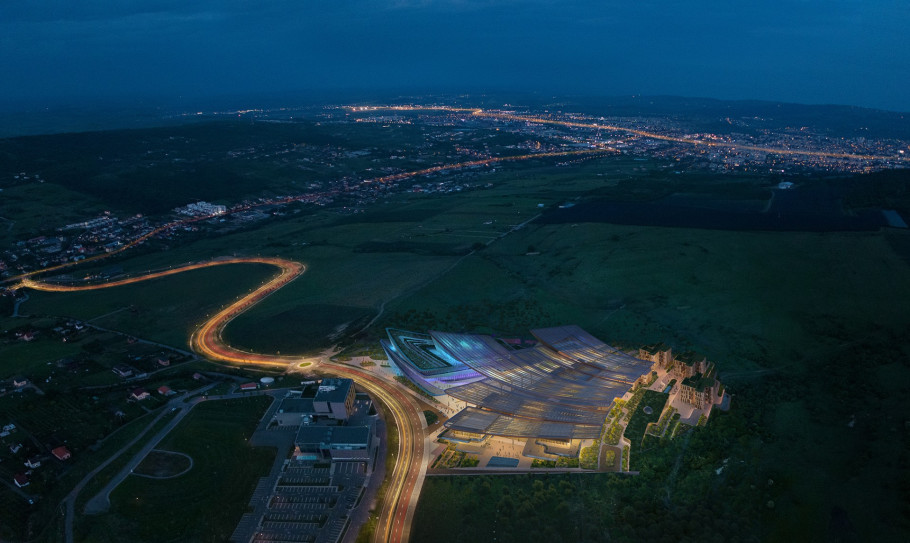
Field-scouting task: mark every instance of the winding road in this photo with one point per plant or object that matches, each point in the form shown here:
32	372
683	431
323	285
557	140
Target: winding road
410	466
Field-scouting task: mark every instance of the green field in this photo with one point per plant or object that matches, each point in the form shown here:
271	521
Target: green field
165	310
211	497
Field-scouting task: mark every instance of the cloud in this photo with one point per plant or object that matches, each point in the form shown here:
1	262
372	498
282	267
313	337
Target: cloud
706	47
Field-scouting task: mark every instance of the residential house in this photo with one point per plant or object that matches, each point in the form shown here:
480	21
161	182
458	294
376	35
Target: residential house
21	480
61	453
122	370
139	394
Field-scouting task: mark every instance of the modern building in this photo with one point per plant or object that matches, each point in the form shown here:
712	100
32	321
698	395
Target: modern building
418	357
687	364
335	442
699	390
335	398
658	354
557	391
294	410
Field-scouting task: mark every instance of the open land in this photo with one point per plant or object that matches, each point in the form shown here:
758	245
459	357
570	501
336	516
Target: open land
805	328
215	436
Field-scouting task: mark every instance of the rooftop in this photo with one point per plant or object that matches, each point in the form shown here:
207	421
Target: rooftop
655	348
333	435
699	382
296	405
688	357
333	390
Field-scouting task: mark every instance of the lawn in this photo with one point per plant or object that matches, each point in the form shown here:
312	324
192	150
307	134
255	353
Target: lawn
211	497
635	430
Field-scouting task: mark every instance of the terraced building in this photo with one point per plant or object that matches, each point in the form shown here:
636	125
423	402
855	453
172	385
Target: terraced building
559	390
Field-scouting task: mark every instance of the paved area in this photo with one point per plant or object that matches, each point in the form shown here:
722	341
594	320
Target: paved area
306	501
361	512
303	501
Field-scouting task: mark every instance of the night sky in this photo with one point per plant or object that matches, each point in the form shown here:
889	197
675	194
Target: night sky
854	52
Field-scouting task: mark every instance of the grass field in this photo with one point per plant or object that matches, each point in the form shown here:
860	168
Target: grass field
22	357
211	497
164	310
163	464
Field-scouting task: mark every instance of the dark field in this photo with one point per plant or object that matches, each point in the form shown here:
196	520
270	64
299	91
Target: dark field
165	310
210	498
783	216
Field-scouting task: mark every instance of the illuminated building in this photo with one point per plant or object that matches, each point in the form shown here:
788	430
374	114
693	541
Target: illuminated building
557	391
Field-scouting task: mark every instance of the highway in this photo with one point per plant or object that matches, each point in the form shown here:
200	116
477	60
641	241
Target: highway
409	470
503	116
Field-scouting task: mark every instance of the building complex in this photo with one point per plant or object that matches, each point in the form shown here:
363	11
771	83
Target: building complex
554	393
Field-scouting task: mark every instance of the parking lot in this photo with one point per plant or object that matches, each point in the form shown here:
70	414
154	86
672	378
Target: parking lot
308	501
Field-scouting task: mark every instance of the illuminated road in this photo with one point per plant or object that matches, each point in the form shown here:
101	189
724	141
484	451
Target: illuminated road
643	133
409	469
483	162
291	199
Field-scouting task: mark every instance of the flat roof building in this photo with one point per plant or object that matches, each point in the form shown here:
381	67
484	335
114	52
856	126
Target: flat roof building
336	442
335	398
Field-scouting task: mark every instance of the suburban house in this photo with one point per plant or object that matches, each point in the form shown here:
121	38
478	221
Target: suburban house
122	370
139	394
33	462
61	453
21	480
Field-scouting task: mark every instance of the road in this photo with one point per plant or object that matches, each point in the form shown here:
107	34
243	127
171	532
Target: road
101	502
505	116
284	200
70	500
409	470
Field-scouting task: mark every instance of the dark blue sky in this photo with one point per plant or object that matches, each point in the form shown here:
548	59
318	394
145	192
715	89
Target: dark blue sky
813	51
